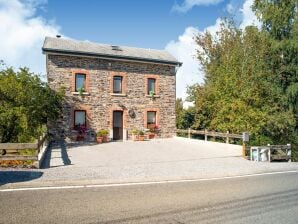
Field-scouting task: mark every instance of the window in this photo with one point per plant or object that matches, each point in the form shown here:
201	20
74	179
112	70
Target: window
79	118
117	84
151	86
80	82
151	119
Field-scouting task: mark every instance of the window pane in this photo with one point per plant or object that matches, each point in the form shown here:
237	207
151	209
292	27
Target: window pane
117	85
80	81
151	119
151	85
80	118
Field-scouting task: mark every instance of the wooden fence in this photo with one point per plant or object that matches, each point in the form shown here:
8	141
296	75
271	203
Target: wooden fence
16	151
227	136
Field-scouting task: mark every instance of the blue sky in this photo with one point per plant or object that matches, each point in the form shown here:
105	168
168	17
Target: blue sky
141	23
159	24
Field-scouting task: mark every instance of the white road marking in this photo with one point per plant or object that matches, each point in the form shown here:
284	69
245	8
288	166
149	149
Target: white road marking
141	183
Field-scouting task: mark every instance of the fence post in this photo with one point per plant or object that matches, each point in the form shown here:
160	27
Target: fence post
289	152
227	139
206	135
188	132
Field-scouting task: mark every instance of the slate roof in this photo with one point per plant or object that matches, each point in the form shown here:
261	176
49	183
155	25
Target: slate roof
74	47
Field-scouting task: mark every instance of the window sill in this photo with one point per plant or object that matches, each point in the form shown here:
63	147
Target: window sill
78	93
118	94
155	96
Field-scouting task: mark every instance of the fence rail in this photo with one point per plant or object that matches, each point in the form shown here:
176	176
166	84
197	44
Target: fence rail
207	133
15	151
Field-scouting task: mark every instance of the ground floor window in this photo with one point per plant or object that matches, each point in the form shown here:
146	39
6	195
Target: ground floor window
79	118
151	119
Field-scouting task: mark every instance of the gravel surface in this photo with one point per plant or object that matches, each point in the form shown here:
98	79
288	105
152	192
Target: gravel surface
158	159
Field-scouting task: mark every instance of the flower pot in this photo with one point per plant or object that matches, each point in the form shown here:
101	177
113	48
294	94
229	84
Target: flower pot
151	135
135	137
99	140
141	137
104	138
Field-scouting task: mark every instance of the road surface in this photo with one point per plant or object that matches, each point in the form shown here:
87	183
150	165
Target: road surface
255	199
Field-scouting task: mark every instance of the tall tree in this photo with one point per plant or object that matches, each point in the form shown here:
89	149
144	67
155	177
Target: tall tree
26	103
240	93
280	21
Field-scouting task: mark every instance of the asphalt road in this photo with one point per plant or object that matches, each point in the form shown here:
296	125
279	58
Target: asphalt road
260	199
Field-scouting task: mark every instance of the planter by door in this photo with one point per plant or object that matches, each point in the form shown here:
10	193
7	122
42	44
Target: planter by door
117	125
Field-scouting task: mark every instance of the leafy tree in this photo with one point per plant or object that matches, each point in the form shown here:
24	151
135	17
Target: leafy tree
279	19
184	117
26	103
240	93
277	16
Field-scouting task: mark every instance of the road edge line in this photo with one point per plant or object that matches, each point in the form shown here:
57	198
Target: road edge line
141	183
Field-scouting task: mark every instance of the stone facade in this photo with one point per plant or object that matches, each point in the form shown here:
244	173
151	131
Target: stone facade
99	102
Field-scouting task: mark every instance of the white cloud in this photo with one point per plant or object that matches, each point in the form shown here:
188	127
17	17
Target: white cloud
188	4
248	16
230	8
22	34
185	50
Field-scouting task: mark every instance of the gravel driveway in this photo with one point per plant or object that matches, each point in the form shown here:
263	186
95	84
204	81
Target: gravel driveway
159	159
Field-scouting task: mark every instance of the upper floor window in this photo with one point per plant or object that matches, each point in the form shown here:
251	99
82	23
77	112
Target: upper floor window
80	82
151	86
117	84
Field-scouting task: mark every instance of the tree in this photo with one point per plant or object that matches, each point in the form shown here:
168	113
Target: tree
277	16
240	92
26	103
279	19
184	117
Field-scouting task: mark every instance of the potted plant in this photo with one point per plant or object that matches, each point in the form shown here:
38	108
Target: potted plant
81	90
104	133
141	136
81	131
134	134
152	94
151	134
99	137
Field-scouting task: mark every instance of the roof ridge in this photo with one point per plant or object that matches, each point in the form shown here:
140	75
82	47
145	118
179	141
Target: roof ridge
106	44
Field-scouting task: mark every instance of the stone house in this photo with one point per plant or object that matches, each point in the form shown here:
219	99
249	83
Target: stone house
111	87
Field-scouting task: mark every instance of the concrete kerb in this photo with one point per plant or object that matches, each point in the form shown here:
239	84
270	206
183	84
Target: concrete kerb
41	156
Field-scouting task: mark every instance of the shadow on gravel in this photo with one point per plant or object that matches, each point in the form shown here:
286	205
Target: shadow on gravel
7	177
62	146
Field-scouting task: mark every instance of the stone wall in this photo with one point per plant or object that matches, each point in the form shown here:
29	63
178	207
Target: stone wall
99	102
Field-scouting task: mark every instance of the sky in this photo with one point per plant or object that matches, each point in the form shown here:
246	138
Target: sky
157	24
